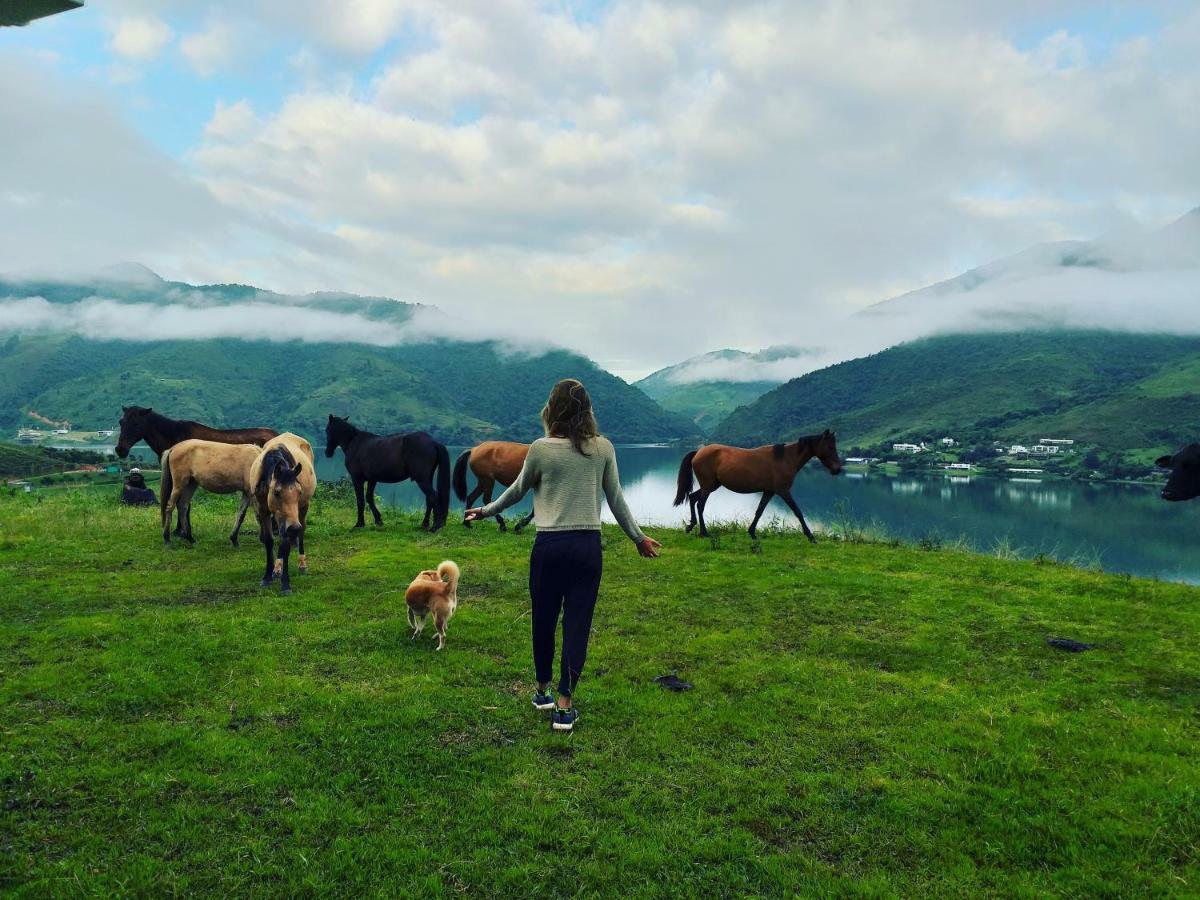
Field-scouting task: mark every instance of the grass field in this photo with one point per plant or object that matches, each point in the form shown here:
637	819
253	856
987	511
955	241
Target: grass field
867	718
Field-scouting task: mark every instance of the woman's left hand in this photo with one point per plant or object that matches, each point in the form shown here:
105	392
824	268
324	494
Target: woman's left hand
474	514
649	547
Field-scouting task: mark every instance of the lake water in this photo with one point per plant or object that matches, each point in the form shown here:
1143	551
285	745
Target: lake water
1123	528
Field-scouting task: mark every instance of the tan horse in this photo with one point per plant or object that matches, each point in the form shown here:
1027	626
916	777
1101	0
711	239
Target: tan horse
492	462
770	469
218	468
283	479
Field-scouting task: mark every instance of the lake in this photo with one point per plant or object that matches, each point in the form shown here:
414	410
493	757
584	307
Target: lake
1123	528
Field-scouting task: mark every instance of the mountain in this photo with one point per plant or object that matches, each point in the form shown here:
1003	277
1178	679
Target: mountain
708	387
1120	392
80	348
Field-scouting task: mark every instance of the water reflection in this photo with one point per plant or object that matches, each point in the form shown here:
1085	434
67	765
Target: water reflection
1127	528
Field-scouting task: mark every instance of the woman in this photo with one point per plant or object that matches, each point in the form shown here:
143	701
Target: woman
570	472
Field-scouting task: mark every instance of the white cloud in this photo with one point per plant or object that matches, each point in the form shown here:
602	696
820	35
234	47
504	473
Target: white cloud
140	38
231	121
209	50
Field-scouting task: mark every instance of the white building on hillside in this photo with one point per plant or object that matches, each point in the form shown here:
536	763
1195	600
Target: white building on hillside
1018	450
948	442
907	448
1062	442
1044	449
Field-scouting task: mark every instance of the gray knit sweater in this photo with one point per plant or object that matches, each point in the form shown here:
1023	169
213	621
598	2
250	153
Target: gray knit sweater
569	487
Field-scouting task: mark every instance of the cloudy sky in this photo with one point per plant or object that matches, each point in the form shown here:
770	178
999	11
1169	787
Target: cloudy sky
642	181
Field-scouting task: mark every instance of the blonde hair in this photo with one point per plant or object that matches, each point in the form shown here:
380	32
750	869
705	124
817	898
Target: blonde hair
568	413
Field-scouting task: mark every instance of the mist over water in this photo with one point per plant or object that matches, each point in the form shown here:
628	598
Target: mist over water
1122	528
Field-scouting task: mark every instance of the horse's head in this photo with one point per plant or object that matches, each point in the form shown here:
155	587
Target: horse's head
1184	483
337	432
825	449
133	427
284	492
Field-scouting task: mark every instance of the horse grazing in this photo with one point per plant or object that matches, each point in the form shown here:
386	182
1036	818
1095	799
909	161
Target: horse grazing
492	462
283	479
218	468
770	469
161	433
390	458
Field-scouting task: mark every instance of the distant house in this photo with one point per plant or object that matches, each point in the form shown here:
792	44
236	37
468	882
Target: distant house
965	467
1018	450
1062	442
907	448
106	432
948	442
62	430
1044	449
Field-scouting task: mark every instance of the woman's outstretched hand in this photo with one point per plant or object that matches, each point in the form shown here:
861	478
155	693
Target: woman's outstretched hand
474	514
649	547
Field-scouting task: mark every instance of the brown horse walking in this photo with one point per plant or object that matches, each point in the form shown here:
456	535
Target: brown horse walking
218	468
284	480
142	423
493	462
770	469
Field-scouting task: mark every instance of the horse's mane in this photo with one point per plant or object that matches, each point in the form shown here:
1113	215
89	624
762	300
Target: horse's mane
277	463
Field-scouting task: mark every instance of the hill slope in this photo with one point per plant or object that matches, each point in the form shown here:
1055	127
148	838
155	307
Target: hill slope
1122	392
76	366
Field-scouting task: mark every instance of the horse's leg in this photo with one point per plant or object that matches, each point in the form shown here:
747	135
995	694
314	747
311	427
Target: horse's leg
762	505
471	498
241	517
487	498
264	535
426	486
786	496
700	504
692	498
521	523
168	508
358	496
184	510
371	501
285	550
302	559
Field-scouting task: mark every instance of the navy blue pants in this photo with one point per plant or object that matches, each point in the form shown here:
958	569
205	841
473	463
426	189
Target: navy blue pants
564	576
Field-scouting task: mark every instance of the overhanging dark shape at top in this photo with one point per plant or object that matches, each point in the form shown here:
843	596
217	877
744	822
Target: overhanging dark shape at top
22	12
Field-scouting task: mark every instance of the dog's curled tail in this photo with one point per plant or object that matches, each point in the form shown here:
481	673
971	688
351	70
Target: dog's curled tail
448	569
685	479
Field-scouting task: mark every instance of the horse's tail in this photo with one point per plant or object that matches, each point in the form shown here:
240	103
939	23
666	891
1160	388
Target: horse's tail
165	485
460	474
685	479
443	486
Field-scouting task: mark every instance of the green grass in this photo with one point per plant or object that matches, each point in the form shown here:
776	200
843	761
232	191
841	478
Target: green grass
867	718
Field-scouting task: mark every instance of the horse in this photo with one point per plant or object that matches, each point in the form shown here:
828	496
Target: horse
492	462
770	469
218	468
372	458
283	478
161	433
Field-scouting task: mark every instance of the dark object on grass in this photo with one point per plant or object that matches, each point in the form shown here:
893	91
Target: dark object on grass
1069	645
671	683
134	496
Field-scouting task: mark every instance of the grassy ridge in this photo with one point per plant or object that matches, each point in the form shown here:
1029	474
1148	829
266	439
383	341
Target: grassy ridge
866	717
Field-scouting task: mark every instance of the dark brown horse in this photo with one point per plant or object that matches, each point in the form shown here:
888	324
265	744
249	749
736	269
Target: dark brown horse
492	462
770	469
142	423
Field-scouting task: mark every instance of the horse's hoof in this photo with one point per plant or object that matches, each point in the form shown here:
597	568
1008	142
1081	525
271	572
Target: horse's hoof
283	592
266	582
688	529
753	535
466	524
233	541
360	525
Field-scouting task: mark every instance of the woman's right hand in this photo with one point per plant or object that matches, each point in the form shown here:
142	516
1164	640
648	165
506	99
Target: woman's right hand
649	547
474	514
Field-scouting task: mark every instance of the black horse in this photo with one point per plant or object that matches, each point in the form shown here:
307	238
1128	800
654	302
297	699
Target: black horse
371	458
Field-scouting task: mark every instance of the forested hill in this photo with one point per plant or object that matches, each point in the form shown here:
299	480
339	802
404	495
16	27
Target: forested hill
80	350
1118	391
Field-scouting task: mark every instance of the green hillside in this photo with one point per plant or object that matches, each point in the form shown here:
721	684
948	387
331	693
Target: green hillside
21	461
707	401
1121	392
461	392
